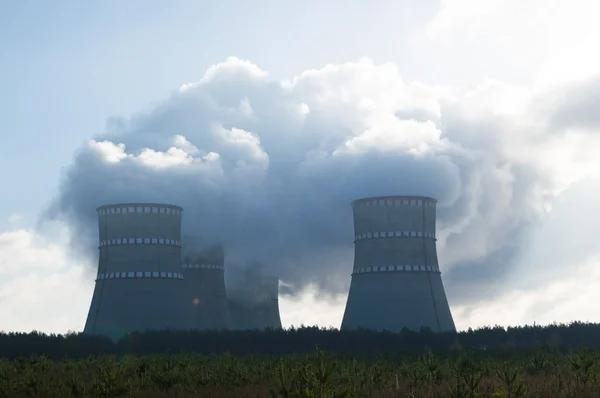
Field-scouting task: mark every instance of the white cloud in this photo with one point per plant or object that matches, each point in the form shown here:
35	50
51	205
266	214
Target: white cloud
232	67
182	143
573	297
243	145
181	154
172	157
309	308
40	287
556	36
108	151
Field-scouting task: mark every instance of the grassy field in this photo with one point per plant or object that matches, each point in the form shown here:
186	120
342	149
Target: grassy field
540	373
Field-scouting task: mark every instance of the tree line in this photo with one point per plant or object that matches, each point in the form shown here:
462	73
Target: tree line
279	342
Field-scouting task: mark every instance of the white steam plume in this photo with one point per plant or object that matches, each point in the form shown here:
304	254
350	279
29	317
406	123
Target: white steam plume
269	168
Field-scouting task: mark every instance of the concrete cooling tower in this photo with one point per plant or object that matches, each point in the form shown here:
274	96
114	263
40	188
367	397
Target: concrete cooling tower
255	303
139	283
205	288
267	309
396	280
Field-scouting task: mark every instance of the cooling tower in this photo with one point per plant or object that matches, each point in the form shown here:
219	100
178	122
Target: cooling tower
267	309
205	288
396	280
139	283
255	304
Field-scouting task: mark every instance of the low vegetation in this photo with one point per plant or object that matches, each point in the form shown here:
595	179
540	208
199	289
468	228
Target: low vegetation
554	361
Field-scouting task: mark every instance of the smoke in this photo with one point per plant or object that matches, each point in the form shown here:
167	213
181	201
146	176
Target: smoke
269	168
195	250
246	282
251	284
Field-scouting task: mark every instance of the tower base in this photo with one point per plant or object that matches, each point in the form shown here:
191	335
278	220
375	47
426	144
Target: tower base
394	301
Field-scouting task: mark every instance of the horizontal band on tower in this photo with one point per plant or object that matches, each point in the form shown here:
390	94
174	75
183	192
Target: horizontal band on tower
140	241
140	275
204	266
396	268
368	203
394	234
140	209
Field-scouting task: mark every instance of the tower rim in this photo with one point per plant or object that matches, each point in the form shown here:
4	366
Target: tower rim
133	204
394	197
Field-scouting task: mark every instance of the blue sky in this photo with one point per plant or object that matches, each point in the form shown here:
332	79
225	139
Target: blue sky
67	66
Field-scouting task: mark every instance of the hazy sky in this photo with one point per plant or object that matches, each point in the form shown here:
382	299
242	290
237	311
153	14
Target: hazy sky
514	80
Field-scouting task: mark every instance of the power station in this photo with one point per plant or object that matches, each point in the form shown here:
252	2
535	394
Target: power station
204	282
396	281
144	282
139	282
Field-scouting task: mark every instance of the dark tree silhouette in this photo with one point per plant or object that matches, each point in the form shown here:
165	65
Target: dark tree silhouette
363	343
